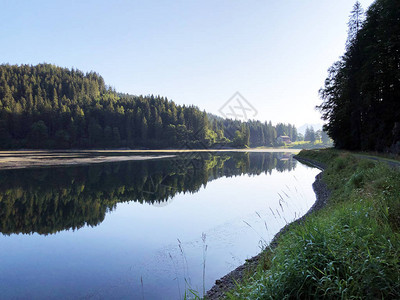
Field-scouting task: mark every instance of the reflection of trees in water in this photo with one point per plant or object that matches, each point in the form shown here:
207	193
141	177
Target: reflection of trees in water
54	199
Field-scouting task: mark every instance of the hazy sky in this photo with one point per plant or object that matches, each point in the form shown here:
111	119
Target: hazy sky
275	53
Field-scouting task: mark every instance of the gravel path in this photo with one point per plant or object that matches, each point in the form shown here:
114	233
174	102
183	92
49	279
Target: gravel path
392	163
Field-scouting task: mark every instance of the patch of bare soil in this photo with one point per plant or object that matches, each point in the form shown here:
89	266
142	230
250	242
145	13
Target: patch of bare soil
43	158
28	159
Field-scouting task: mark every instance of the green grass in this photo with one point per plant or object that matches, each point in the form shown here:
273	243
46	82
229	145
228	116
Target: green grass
300	145
324	156
348	250
307	145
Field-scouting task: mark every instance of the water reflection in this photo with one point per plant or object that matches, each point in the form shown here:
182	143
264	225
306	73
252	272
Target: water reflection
49	200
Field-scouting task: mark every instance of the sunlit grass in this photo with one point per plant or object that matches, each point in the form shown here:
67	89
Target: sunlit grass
350	249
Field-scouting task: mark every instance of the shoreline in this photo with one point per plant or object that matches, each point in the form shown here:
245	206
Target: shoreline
22	159
46	161
24	151
228	282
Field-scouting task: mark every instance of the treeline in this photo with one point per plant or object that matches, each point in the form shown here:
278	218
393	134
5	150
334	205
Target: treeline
48	200
45	106
361	96
253	133
311	135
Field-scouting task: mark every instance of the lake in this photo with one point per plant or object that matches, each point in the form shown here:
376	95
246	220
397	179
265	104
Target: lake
147	229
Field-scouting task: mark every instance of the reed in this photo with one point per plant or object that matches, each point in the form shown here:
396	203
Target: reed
348	250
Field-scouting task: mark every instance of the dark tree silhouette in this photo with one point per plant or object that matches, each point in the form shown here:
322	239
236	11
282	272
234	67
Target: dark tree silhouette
361	94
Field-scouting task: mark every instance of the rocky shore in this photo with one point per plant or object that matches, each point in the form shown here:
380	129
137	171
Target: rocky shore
227	282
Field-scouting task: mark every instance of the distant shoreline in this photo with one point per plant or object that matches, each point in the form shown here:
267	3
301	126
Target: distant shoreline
2	152
21	159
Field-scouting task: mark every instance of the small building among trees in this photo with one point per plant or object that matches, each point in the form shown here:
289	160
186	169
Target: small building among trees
284	139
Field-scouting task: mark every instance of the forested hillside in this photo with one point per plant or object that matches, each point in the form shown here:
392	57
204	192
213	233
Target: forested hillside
46	106
361	96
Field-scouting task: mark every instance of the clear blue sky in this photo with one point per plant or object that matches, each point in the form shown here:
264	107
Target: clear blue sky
275	53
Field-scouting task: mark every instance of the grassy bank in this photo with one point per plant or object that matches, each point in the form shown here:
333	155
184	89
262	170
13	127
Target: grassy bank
349	249
308	145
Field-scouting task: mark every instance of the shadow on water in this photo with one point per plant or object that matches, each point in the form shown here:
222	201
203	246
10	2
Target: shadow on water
50	200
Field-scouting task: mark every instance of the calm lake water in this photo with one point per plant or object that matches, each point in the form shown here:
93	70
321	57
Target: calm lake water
143	229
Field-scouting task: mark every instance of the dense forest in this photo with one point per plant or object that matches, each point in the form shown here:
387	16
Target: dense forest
46	106
361	96
48	200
